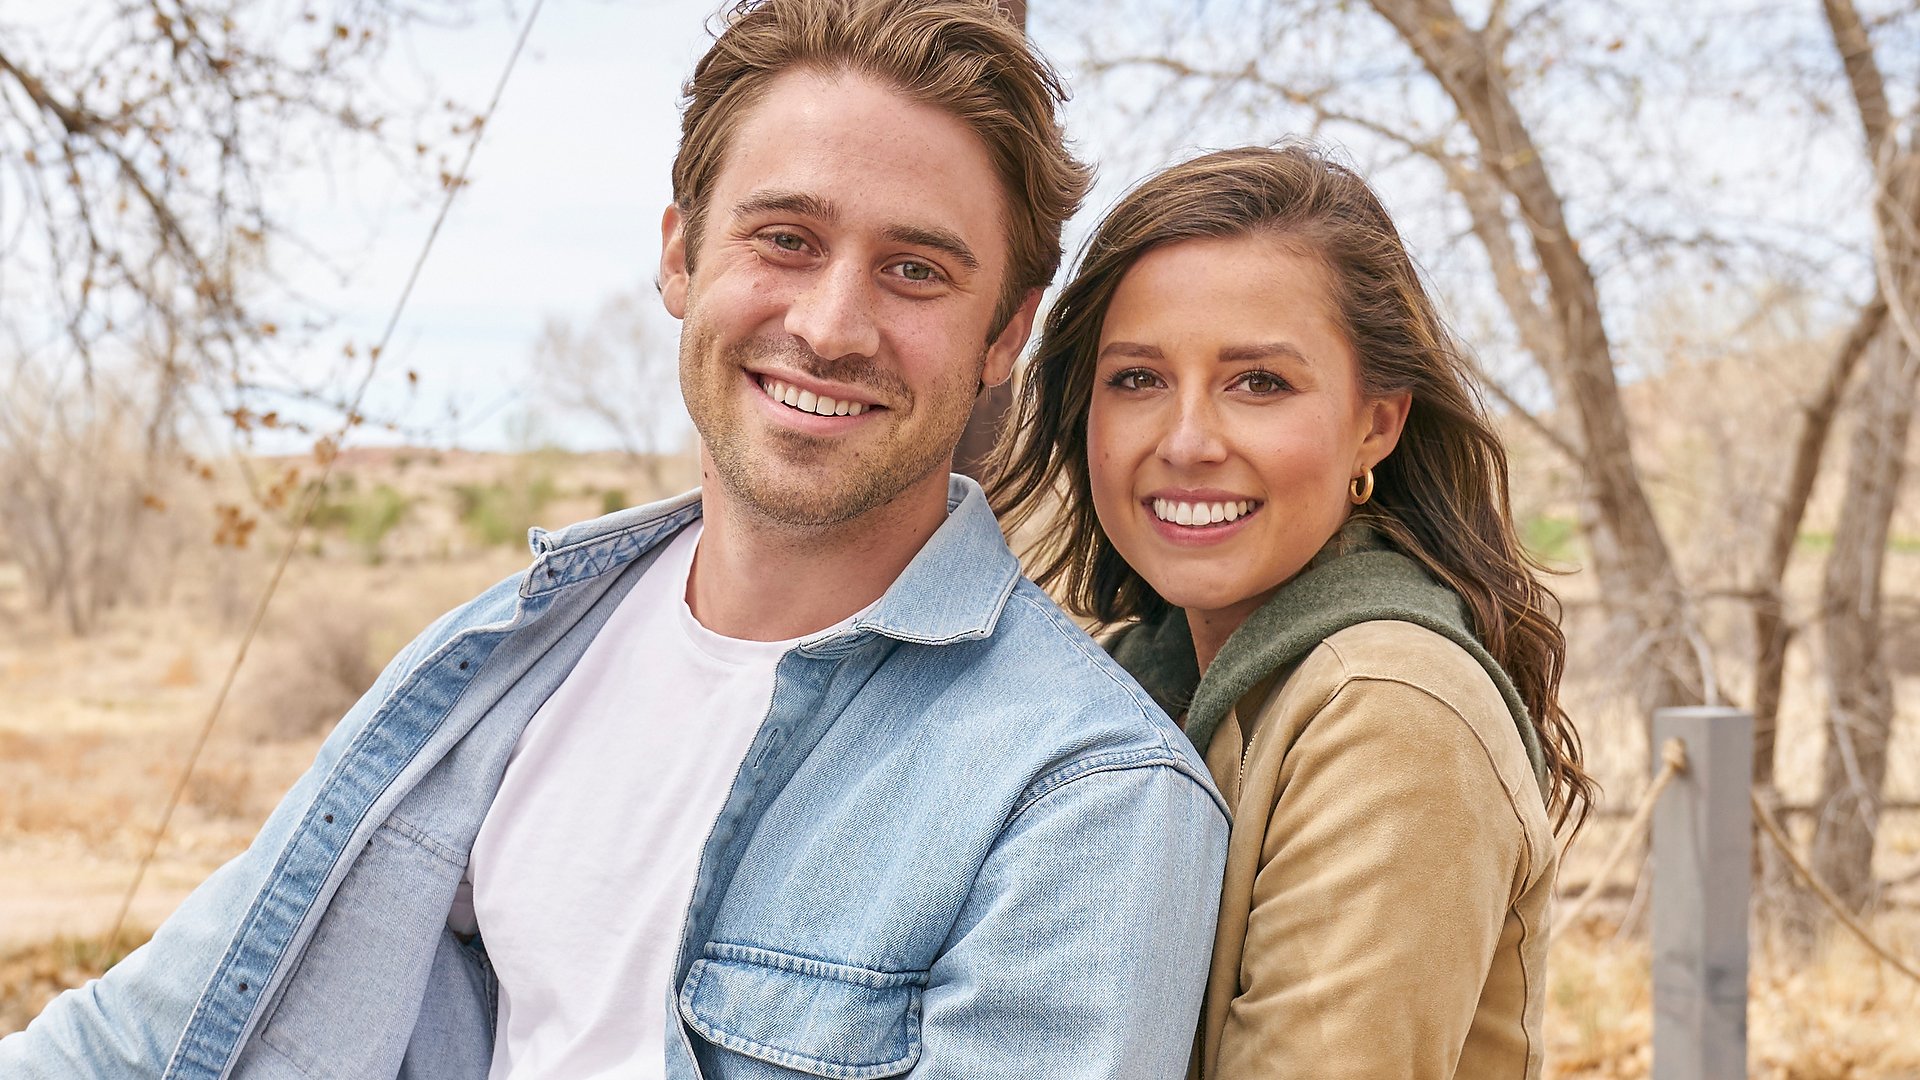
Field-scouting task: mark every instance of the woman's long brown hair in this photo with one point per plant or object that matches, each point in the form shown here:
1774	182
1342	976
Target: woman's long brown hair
1441	497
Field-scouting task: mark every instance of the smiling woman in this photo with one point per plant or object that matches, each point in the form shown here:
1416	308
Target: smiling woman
1279	485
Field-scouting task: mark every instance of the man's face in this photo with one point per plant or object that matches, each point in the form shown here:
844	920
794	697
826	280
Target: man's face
836	323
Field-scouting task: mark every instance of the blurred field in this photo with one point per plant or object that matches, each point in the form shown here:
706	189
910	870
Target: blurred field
93	732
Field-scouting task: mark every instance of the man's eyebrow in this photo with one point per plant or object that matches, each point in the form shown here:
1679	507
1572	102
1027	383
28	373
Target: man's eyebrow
938	239
1266	350
785	202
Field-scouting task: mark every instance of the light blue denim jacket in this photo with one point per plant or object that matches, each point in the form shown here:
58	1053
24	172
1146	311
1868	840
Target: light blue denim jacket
963	844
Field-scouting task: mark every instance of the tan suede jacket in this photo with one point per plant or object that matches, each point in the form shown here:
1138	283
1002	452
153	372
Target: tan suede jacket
1384	912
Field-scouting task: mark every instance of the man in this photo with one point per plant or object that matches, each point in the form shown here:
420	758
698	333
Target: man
794	776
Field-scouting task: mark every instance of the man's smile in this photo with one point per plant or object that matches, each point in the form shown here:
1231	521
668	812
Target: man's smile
820	403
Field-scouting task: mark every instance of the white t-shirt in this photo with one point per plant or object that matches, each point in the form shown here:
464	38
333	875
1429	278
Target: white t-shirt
583	869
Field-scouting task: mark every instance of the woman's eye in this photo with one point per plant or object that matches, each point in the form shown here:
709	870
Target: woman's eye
1133	379
1263	382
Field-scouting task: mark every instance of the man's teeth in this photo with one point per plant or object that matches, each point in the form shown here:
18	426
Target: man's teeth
1200	513
808	401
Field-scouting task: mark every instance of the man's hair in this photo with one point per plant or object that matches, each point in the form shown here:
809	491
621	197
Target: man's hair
960	56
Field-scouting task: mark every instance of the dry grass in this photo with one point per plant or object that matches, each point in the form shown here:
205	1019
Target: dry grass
1837	1015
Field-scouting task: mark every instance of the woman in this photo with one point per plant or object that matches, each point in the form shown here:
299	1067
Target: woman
1276	477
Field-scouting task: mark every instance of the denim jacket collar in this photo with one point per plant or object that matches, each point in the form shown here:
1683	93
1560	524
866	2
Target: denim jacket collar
954	589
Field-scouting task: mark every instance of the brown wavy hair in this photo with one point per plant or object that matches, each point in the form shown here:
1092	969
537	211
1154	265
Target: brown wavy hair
1441	497
961	56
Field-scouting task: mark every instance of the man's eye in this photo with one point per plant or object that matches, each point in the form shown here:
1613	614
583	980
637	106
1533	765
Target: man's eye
917	271
787	241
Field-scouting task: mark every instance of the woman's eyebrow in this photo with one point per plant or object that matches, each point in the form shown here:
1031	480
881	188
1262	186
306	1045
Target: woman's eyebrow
1132	349
1266	350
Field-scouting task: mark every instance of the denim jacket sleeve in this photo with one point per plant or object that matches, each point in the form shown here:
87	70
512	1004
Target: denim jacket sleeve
1082	951
128	1022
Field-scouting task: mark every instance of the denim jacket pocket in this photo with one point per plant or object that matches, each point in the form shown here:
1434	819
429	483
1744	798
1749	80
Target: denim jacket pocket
826	1019
392	904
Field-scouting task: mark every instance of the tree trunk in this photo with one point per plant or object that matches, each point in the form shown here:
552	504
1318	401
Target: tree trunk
1772	632
1860	695
1860	691
1639	582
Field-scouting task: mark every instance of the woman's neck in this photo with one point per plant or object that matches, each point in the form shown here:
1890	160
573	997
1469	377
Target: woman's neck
1211	629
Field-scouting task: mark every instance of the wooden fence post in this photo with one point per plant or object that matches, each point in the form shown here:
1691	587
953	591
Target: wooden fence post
1702	866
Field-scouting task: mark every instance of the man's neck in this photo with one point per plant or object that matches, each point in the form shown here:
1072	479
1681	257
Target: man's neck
761	580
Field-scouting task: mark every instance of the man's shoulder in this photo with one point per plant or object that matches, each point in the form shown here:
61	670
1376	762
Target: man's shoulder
1035	635
1040	679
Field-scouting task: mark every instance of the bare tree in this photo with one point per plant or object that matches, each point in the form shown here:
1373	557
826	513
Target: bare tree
619	372
145	150
1860	707
140	145
90	474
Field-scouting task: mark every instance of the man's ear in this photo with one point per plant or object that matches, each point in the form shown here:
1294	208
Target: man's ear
1387	418
673	261
1002	351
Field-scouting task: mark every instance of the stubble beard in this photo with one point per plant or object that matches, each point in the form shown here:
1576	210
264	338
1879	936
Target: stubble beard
797	480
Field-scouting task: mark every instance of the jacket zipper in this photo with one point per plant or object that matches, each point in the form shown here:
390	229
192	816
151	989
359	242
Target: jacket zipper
1246	756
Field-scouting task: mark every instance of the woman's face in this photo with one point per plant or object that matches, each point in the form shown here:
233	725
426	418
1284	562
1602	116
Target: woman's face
1226	421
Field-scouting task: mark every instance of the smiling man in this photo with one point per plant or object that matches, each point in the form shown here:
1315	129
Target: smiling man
792	776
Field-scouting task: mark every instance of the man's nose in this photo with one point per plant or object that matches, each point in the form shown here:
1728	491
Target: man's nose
1192	435
834	314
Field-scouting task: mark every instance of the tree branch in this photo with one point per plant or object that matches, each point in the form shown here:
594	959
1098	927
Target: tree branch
1863	73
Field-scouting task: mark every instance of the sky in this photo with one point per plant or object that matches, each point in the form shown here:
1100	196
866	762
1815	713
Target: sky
562	213
563	207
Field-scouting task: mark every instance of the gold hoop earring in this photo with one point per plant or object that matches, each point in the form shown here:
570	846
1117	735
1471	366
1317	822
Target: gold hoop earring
1360	488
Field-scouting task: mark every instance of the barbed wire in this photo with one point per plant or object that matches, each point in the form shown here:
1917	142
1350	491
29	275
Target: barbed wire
328	452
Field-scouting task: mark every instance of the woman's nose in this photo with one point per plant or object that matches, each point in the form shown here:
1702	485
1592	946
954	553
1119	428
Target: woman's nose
1193	435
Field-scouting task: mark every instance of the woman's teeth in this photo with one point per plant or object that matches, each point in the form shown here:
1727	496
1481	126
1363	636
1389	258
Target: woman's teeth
1200	513
808	401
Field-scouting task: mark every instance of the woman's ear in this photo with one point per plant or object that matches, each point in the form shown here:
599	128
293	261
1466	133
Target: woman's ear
1387	417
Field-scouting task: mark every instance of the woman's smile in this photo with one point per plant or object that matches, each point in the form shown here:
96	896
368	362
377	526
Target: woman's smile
1199	517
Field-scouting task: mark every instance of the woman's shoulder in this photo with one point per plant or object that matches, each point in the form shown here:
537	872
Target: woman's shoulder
1401	682
1387	650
